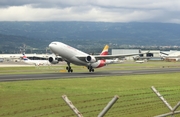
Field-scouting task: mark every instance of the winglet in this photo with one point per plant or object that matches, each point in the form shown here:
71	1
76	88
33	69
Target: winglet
105	50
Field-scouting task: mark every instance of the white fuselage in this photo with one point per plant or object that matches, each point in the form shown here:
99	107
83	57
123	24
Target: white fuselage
67	52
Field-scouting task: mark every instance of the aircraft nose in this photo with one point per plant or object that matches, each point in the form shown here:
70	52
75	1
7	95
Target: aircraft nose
53	44
50	45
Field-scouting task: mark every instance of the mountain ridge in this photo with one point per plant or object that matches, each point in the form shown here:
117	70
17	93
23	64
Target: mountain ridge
40	34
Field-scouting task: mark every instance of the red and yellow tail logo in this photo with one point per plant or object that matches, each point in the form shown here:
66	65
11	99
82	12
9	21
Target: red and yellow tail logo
105	50
24	57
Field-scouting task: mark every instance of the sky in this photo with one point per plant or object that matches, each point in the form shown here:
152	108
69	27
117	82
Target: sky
166	11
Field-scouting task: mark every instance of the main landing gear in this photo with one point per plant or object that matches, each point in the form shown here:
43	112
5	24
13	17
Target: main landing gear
68	68
90	69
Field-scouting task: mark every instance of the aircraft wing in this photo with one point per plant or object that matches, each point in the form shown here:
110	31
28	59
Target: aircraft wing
101	57
164	53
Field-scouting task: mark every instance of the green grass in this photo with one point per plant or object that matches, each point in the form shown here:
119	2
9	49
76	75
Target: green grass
90	95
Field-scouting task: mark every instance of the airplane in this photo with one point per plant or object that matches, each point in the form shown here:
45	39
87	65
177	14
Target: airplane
77	57
175	55
35	62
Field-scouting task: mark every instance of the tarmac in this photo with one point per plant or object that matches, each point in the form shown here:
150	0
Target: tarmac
63	75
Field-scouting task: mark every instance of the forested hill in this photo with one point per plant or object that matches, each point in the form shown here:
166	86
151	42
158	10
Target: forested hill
40	34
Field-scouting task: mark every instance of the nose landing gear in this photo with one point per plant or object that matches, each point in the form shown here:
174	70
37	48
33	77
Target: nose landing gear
68	68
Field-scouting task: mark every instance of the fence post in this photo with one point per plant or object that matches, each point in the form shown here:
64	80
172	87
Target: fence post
173	110
65	98
162	98
109	105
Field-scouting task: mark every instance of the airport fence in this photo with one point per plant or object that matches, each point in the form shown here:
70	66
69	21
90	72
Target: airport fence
131	103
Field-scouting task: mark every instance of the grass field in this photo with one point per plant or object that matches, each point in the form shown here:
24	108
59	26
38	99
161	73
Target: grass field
42	98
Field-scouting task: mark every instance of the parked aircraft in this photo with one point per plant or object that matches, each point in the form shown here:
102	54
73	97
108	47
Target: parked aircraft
170	56
77	57
35	62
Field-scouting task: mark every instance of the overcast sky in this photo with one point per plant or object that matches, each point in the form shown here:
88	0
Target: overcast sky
91	10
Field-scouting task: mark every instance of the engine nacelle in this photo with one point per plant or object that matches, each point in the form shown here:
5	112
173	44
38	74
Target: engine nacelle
53	60
90	59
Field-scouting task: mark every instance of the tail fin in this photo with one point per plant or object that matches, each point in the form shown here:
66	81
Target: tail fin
105	50
24	57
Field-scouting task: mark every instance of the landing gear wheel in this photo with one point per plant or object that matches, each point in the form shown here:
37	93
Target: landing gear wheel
68	68
90	69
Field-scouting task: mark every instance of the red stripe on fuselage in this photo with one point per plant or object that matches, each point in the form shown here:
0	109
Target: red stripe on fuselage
104	53
102	63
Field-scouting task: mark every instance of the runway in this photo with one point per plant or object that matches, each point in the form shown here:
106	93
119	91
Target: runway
23	77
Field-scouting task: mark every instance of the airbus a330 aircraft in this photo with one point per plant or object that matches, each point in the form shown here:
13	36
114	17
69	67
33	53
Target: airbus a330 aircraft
35	62
77	57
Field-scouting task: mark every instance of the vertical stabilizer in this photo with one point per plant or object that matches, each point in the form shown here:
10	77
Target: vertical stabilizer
24	57
105	50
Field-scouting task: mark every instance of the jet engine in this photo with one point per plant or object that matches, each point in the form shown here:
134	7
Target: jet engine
90	59
53	60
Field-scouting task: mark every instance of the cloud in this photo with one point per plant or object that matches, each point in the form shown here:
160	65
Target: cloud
94	10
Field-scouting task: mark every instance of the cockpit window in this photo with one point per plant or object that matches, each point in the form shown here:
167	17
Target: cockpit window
54	43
